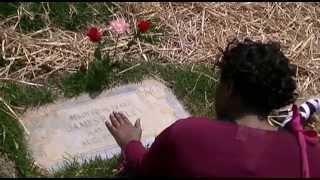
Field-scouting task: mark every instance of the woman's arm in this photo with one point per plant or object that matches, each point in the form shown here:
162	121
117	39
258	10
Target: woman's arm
155	161
137	158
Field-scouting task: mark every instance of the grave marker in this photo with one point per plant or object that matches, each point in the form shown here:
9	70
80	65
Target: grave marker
74	128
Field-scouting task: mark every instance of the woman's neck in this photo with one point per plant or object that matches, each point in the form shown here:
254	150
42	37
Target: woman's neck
255	121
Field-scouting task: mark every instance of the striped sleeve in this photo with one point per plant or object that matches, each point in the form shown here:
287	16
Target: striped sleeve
309	107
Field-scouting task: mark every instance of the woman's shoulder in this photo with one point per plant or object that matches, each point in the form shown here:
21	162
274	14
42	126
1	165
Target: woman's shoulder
201	123
203	120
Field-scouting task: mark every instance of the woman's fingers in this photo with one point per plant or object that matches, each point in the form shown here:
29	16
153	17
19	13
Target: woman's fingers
110	127
124	117
114	120
119	118
138	124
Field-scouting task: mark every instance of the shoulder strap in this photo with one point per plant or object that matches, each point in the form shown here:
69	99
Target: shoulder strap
297	128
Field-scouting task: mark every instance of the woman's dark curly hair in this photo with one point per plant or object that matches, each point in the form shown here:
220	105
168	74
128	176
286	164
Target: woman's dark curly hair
260	73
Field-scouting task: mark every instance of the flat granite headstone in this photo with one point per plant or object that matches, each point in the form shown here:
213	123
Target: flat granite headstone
74	128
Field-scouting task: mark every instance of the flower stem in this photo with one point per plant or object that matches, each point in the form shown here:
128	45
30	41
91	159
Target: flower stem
115	48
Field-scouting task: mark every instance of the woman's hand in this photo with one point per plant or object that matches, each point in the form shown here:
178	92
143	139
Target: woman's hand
122	129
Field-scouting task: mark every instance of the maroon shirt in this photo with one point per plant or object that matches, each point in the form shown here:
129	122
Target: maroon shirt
203	147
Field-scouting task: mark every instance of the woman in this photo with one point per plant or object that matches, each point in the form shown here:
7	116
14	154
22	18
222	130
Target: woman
256	79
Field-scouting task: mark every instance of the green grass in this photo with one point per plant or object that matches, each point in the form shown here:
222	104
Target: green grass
93	168
12	143
83	15
11	133
193	86
75	16
22	95
7	9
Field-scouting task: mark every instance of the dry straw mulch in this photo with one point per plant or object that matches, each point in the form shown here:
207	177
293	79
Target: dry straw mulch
192	33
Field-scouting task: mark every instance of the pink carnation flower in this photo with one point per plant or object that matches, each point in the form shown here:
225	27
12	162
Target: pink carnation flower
119	26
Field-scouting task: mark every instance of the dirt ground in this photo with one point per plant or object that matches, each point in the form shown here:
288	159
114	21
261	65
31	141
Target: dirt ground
7	167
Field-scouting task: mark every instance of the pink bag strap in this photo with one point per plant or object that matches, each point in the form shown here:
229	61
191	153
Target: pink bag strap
303	137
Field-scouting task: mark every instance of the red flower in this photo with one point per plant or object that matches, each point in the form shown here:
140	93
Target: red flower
94	35
144	25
